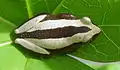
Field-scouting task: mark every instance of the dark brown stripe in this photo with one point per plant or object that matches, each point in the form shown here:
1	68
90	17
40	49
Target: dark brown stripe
54	33
59	16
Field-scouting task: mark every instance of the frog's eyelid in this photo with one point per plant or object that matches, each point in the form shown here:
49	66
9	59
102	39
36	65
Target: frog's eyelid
31	46
29	24
86	20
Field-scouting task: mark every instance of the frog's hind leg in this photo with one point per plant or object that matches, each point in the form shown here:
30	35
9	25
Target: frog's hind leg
31	46
30	24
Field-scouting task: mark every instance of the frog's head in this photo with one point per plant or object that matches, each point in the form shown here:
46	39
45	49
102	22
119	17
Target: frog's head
86	22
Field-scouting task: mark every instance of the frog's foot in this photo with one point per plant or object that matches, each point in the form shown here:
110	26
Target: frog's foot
30	24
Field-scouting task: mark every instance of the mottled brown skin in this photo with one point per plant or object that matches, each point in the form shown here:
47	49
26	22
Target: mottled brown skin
55	33
59	16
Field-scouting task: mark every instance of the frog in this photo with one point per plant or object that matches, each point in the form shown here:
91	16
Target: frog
47	31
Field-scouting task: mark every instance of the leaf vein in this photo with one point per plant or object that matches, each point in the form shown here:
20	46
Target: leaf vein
109	25
110	40
109	4
47	5
29	10
104	16
55	10
5	43
97	50
26	63
92	5
7	22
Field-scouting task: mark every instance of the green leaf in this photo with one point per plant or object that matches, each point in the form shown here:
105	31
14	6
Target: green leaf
5	28
110	67
105	48
62	62
11	58
14	57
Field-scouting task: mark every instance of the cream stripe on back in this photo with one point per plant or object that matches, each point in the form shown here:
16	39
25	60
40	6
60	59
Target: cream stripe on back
52	24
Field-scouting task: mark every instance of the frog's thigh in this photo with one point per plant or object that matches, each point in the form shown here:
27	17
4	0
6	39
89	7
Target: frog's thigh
52	43
31	46
30	24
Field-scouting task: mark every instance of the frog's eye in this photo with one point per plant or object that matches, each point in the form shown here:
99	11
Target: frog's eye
86	20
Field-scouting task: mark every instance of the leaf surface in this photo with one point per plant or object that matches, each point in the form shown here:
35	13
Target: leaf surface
105	48
14	57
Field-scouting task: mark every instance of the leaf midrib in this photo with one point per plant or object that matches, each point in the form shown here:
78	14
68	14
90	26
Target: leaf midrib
55	10
29	9
7	22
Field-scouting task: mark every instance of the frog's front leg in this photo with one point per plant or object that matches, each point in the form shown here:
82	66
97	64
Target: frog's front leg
31	46
30	24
